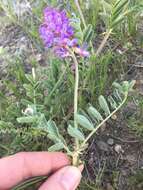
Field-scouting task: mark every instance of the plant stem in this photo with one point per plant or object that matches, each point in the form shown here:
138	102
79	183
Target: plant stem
83	21
80	12
67	150
34	94
75	156
34	79
99	50
75	160
94	131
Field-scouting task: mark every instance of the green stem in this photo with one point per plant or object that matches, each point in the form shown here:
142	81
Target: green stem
76	92
34	79
99	50
34	94
80	13
83	21
67	150
94	131
75	156
76	103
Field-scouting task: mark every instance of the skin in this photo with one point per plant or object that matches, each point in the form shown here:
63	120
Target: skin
21	166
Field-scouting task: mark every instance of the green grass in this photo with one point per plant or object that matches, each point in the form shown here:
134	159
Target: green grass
135	121
135	181
89	185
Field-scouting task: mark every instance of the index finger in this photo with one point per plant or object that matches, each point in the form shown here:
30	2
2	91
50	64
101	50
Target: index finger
21	166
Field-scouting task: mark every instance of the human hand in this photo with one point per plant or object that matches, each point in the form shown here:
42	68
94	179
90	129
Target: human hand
21	166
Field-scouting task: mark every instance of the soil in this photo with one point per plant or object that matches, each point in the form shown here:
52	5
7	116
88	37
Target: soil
115	153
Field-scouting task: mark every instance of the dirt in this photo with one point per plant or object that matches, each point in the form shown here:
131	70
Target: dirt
115	153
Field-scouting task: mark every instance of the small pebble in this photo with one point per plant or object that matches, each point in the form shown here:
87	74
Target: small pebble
103	146
118	149
110	141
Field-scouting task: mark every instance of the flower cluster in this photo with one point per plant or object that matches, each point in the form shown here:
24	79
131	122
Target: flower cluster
57	33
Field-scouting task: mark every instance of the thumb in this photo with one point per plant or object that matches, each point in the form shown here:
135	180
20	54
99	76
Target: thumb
67	178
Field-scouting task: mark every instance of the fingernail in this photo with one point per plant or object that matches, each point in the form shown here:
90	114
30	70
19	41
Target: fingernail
70	178
81	168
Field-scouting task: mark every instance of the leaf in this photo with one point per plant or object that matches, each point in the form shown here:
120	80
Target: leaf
125	86
5	125
42	123
93	112
79	36
117	95
117	85
53	132
26	102
76	133
84	122
29	78
104	105
76	24
88	33
29	90
36	85
112	102
53	138
119	12
27	87
106	6
119	8
52	128
56	147
27	119
85	114
132	84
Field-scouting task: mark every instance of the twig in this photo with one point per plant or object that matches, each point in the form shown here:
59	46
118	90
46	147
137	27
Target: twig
99	50
124	141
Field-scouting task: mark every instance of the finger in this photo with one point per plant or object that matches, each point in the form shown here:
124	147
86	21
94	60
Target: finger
67	178
21	166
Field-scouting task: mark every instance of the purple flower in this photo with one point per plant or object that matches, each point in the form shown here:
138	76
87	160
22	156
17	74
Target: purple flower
57	33
81	52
